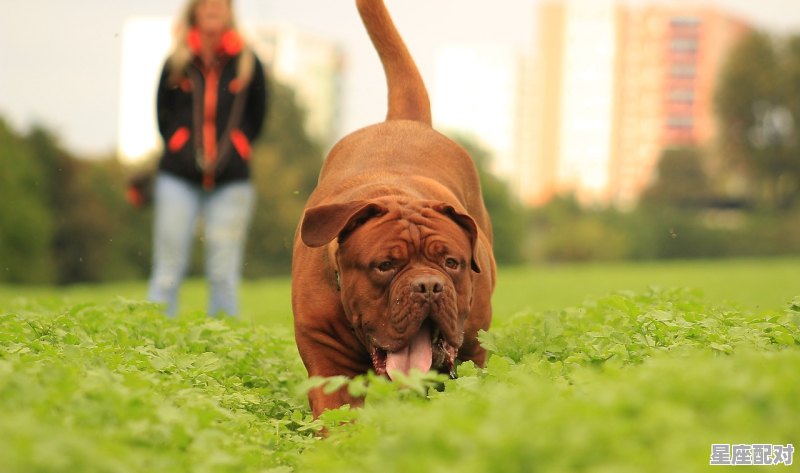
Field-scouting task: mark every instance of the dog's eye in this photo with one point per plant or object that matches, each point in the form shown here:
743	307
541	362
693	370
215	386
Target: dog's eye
385	266
452	263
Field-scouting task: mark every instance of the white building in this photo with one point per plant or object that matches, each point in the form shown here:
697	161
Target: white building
476	92
612	87
587	98
145	45
313	68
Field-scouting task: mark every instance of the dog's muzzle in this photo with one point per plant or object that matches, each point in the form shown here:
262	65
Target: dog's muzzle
427	300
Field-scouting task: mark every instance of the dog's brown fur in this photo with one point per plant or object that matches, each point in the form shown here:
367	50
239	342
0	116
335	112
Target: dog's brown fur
395	239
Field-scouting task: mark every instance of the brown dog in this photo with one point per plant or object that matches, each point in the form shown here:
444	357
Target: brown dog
393	266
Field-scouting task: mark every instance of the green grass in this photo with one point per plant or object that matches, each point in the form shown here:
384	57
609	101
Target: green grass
749	283
591	370
265	301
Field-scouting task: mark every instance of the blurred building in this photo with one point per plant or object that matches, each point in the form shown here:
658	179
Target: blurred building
611	87
476	92
145	43
313	68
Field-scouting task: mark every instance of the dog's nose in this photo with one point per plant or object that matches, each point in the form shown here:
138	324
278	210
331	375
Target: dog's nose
429	285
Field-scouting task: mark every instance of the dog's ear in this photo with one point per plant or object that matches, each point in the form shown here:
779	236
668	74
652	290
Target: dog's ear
467	223
324	223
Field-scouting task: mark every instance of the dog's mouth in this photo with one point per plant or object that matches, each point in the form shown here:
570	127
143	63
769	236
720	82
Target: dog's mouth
426	350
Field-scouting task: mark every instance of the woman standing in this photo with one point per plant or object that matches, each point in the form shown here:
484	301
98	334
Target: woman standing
211	102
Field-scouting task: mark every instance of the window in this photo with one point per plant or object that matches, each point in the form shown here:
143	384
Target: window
683	70
683	45
686	21
681	96
680	121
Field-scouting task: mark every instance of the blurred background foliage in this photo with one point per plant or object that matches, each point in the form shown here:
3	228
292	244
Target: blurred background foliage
65	220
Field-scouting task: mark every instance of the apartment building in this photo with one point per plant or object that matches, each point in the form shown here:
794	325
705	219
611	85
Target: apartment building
612	86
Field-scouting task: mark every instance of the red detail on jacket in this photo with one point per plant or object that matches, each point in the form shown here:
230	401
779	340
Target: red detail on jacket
241	143
178	139
194	41
210	124
230	43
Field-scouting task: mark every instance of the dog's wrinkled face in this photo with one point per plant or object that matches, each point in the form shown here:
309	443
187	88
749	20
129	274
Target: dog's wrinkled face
406	287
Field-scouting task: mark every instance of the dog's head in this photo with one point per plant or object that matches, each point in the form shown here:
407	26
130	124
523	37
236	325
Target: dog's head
405	272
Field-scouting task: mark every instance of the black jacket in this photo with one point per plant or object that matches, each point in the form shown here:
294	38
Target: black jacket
186	128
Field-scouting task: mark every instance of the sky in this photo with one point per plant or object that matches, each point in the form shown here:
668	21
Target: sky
60	61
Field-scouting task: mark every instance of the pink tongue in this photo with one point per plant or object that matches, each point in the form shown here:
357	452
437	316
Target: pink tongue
418	354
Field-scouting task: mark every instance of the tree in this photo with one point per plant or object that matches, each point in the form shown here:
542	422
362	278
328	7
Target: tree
286	163
757	105
507	214
94	231
26	226
681	180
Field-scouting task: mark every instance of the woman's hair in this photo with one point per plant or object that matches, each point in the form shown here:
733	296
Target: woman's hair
181	54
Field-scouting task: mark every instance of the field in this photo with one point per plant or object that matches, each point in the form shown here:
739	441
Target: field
600	368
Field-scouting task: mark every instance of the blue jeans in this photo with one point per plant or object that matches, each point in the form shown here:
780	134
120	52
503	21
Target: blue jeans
225	213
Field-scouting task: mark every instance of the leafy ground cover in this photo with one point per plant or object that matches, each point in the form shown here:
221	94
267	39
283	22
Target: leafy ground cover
632	382
640	380
120	387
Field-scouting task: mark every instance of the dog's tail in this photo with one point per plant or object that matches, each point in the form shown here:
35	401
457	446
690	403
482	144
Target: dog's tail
408	98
